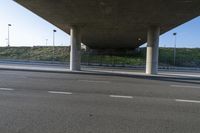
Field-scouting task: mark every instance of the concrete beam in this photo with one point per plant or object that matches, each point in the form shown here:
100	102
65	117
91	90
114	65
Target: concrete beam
75	57
152	50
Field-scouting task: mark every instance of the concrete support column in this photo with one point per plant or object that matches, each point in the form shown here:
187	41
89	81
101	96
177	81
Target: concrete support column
75	57
152	50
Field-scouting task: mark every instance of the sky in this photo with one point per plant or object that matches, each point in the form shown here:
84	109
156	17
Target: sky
29	29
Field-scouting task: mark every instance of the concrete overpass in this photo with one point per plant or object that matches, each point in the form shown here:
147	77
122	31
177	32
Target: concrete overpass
115	24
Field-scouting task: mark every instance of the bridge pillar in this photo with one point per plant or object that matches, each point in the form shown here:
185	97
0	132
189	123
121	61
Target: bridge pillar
152	50
75	57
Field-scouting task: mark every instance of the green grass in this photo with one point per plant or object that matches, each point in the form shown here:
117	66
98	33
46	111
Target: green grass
106	59
184	56
35	53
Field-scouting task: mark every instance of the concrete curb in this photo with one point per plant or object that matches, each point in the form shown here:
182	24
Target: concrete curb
109	73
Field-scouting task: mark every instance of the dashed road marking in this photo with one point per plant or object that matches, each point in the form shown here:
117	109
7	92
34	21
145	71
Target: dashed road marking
187	101
183	86
120	96
6	89
60	92
94	81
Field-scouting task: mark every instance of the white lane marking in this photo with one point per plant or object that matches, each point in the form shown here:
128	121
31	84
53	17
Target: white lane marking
119	96
187	101
60	92
182	86
6	89
94	81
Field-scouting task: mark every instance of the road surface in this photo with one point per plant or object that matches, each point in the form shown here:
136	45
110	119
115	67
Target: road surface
36	102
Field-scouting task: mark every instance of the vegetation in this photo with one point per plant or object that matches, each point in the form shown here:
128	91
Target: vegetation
188	57
35	53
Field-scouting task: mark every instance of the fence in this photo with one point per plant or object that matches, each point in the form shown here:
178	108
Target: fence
184	57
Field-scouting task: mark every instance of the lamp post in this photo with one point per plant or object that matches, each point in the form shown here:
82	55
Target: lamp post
54	31
9	25
175	39
46	42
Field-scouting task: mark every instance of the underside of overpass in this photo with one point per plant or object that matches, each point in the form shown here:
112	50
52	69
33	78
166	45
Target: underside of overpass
115	24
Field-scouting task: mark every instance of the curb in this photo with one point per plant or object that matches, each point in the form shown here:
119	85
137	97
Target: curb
107	73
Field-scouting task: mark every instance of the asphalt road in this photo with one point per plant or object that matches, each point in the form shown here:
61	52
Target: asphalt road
36	102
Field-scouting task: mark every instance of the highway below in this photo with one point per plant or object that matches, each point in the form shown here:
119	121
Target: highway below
44	102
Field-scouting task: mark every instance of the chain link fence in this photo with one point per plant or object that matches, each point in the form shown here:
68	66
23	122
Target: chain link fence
185	57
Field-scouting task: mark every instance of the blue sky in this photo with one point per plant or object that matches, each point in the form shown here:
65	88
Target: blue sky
29	29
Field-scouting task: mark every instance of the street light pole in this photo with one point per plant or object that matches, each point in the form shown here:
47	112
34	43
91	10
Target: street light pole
54	31
175	39
46	42
9	34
